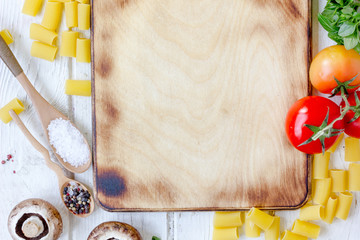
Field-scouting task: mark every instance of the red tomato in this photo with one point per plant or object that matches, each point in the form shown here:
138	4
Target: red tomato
352	129
311	110
334	61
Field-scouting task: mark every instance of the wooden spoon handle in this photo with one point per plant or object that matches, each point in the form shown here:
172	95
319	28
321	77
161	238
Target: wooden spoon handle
9	59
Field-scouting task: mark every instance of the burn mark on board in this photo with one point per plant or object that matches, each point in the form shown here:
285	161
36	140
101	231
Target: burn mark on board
111	183
123	3
294	10
112	113
104	66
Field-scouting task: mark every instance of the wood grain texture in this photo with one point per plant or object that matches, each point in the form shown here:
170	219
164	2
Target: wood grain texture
190	100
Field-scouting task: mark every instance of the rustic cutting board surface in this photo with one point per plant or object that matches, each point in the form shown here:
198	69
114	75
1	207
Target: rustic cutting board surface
189	103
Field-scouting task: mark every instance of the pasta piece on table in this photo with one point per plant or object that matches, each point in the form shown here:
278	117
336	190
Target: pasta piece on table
83	50
322	191
225	233
338	180
311	212
352	149
32	7
6	35
52	15
274	231
68	43
42	34
44	51
251	230
84	16
336	144
287	235
330	208
71	13
15	105
83	1
344	204
80	88
354	177
260	218
62	1
306	229
321	165
227	219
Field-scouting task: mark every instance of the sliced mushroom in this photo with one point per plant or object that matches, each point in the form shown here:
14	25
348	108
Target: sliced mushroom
35	219
114	231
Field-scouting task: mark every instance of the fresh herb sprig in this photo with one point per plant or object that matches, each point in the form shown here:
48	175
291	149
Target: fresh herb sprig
341	18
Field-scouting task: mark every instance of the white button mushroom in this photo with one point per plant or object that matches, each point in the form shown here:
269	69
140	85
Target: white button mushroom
114	230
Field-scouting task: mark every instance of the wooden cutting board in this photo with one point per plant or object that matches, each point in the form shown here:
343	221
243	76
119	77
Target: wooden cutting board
189	103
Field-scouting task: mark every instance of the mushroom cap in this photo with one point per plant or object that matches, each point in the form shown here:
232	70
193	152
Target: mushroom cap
114	230
35	219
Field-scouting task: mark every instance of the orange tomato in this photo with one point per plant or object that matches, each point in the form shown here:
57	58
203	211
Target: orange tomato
334	61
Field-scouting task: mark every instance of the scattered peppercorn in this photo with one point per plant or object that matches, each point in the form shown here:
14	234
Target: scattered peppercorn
14	171
76	199
9	156
3	162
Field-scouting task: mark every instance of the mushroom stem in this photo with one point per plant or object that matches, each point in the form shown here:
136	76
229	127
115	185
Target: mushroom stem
32	227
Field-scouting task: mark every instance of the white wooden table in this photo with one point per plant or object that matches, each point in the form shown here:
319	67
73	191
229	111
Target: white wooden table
34	180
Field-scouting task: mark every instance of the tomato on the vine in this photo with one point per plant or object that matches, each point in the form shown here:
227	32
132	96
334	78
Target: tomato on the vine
308	115
352	122
335	62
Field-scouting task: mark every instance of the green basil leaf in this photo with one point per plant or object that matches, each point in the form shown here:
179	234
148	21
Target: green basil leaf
336	38
347	28
155	238
347	10
326	23
351	41
357	48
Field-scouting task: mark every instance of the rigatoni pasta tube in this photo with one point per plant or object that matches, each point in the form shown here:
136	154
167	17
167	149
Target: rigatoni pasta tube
321	165
78	87
15	105
338	180
251	230
354	177
330	208
344	204
306	229
322	191
32	7
274	231
225	233
83	50
227	219
71	14
260	218
83	1
311	212
352	149
68	43
44	51
52	15
336	144
42	34
84	16
287	235
6	35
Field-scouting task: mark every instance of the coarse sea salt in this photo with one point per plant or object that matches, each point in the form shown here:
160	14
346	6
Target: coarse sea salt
68	142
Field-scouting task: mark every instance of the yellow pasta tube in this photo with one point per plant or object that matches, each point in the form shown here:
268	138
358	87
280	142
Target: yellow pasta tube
68	43
260	218
52	15
287	235
322	191
83	50
330	208
354	177
311	212
251	230
306	229
344	204
321	165
352	149
79	88
15	105
32	7
84	16
62	1
83	1
42	34
44	51
225	233
338	180
71	13
336	144
227	219
274	231
6	35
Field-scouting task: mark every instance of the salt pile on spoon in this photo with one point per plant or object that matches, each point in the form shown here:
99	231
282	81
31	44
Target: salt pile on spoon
68	142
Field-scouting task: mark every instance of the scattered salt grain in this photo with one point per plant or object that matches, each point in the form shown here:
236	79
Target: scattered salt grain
68	142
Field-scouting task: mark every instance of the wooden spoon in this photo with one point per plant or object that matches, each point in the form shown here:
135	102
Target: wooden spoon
46	112
62	179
